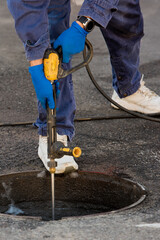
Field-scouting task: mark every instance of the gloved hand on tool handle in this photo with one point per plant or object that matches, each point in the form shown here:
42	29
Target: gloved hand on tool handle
43	87
72	41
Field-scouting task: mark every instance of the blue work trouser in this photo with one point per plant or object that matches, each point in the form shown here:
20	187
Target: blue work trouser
122	36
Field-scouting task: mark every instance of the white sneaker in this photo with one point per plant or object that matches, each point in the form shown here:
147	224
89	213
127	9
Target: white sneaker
64	164
143	101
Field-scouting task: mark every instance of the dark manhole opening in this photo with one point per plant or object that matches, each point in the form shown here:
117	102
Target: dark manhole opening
87	193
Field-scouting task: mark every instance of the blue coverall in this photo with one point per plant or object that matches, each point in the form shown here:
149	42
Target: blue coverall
39	22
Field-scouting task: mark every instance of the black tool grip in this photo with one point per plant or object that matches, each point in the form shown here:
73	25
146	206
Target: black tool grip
63	73
51	125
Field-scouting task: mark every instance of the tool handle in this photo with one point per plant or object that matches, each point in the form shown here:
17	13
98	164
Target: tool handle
58	150
63	73
75	152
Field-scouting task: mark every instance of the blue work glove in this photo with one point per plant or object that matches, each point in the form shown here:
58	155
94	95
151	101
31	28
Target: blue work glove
72	41
43	87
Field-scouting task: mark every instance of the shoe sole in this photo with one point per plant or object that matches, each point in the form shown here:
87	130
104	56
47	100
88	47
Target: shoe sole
125	106
67	170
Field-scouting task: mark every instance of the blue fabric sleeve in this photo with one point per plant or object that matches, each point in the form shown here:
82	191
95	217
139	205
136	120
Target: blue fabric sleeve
99	10
31	24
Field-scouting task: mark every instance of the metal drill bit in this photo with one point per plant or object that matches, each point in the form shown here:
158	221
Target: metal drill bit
53	198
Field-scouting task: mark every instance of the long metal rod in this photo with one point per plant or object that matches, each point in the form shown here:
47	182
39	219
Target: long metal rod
53	197
54	138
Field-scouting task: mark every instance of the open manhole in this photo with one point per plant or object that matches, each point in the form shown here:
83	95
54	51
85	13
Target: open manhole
87	193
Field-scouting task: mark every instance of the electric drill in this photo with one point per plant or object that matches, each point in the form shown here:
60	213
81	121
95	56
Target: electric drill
53	71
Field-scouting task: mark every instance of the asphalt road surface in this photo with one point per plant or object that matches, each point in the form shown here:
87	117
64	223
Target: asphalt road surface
123	147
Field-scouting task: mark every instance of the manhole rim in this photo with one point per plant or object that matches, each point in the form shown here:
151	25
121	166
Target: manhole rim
37	218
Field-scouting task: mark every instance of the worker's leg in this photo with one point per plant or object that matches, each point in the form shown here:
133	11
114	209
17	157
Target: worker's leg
58	13
123	35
